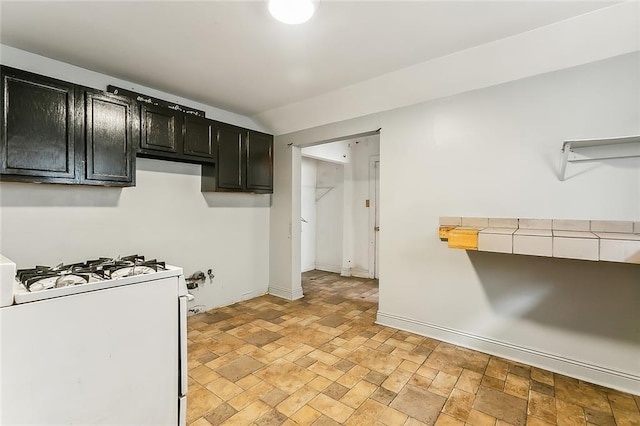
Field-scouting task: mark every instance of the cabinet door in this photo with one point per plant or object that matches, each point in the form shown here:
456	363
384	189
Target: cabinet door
37	126
198	137
161	129
108	138
259	162
229	157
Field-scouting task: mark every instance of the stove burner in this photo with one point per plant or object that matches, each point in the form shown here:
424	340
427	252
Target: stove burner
45	277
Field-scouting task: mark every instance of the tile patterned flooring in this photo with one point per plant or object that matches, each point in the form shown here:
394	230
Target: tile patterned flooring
322	361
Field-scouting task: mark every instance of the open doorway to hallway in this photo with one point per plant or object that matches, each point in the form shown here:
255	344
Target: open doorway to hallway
340	207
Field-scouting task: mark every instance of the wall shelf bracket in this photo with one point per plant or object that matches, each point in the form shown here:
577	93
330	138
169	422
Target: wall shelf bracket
574	151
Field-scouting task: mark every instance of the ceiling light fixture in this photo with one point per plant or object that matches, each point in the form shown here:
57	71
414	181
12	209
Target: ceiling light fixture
292	11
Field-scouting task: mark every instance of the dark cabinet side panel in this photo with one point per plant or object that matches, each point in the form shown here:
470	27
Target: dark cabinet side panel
109	138
230	168
161	129
198	136
259	162
37	126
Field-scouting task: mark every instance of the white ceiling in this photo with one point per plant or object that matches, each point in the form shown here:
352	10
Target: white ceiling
233	55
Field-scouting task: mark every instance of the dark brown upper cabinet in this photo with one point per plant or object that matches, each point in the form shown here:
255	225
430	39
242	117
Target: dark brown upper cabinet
38	140
244	162
110	141
259	169
161	130
230	147
199	135
174	135
57	132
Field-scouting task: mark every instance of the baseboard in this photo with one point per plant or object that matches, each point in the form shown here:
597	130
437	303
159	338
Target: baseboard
308	268
615	379
360	273
354	272
286	292
328	268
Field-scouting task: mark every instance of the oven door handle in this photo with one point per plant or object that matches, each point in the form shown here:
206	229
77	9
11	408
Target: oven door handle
182	341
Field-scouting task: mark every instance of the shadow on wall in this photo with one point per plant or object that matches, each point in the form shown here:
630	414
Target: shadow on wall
598	298
235	200
57	195
213	199
166	166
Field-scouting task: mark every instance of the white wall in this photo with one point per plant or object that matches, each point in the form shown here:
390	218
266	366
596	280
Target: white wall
308	210
329	205
165	216
495	152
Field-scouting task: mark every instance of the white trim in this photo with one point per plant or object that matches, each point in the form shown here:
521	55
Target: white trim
359	273
294	292
309	268
372	214
347	217
286	293
608	377
346	272
328	268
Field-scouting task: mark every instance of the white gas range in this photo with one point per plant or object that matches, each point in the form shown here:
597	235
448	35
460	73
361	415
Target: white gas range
99	342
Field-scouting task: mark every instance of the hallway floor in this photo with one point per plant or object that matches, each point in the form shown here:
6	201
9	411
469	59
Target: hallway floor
321	360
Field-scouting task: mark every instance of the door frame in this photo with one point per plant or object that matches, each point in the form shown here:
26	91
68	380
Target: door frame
373	203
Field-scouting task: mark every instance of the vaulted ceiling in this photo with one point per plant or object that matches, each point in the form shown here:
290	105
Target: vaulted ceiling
233	55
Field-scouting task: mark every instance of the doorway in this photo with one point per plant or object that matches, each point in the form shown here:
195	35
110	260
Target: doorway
339	232
322	215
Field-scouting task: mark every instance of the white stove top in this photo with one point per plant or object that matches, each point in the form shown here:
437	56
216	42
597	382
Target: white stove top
22	295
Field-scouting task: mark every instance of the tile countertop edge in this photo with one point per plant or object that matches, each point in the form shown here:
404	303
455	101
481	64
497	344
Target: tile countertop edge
623	242
617	236
499	231
575	234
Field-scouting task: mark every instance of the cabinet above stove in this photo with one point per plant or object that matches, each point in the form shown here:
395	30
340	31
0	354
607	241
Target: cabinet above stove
58	132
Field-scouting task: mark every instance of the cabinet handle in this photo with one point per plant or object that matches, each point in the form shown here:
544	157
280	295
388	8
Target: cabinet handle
240	160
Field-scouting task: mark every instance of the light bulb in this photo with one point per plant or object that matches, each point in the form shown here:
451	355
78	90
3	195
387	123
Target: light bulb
291	11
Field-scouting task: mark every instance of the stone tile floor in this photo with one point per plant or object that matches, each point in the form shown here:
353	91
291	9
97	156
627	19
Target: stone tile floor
321	361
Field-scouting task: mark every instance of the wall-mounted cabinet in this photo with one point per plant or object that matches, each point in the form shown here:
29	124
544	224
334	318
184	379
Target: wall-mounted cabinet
231	167
244	162
110	130
199	135
37	128
160	131
259	159
57	132
174	135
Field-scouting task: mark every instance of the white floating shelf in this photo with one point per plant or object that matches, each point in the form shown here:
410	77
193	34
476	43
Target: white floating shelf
598	149
596	240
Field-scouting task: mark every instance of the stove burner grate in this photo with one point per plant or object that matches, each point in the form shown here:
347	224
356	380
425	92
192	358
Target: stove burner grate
104	268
